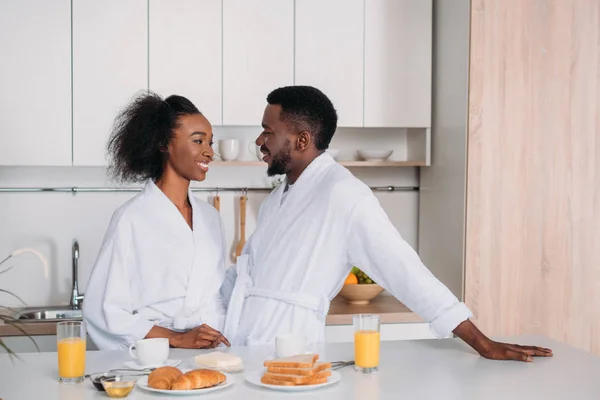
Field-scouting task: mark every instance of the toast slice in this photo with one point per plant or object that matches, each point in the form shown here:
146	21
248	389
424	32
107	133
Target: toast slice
299	361
297	379
318	367
268	381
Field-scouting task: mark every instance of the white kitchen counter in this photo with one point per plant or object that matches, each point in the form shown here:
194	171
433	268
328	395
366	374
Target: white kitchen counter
424	369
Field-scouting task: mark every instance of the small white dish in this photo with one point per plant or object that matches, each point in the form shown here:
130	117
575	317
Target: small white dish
374	155
138	366
254	379
143	384
232	370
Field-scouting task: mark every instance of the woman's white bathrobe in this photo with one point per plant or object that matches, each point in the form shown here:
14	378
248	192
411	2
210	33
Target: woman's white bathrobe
152	269
303	248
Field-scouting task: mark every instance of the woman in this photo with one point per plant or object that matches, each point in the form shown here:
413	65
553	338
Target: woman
162	260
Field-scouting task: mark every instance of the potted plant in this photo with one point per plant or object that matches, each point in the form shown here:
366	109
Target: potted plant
9	319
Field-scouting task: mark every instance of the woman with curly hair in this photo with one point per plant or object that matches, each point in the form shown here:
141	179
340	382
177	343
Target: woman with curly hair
163	258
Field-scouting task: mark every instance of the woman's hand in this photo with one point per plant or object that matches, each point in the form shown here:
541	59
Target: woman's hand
202	337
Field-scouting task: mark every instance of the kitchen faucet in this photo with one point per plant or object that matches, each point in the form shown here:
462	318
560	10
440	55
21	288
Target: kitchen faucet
76	297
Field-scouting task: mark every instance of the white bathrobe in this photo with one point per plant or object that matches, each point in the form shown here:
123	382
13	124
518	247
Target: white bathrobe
152	269
302	250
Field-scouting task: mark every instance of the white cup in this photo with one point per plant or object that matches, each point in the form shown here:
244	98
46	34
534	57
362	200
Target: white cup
229	149
290	344
150	352
254	149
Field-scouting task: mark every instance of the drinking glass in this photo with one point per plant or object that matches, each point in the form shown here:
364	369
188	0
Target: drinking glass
366	342
71	336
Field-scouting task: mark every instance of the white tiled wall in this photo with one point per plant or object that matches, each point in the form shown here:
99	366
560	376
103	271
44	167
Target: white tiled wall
48	222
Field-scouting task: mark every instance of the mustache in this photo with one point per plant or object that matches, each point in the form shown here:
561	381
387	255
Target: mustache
264	150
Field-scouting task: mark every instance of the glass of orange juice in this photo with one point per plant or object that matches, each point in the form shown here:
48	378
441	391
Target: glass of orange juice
70	336
366	343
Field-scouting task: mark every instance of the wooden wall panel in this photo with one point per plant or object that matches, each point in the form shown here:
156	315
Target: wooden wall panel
532	257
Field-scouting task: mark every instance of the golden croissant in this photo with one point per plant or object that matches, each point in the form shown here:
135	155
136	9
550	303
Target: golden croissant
198	379
163	377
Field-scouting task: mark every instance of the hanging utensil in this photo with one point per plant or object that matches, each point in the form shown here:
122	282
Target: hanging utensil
217	202
242	242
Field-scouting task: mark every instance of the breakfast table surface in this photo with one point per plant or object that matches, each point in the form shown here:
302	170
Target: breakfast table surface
417	369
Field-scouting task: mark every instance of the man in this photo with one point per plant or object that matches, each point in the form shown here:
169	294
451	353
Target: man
314	227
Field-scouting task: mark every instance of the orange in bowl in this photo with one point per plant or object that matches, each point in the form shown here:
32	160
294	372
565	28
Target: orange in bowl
351	279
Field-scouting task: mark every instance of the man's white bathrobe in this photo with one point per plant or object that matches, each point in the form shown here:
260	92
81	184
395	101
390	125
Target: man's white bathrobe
152	269
302	250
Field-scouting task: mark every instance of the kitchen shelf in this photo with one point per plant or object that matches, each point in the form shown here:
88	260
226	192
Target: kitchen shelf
344	163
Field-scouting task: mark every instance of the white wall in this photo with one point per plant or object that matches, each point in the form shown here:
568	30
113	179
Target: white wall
49	222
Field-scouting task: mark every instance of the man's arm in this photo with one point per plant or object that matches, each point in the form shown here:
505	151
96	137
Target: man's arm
375	246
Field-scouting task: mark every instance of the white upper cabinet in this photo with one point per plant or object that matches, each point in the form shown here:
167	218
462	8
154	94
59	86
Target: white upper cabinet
110	67
35	82
329	53
398	47
258	56
185	52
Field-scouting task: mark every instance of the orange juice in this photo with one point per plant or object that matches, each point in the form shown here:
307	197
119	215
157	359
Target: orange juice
71	357
366	349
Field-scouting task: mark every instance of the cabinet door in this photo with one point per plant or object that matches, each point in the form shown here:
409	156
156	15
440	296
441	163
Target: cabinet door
185	52
398	46
35	82
258	56
329	53
110	66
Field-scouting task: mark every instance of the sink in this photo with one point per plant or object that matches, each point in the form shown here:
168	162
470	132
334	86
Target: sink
48	314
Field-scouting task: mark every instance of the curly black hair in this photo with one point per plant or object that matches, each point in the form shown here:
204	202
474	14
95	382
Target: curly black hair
307	108
141	134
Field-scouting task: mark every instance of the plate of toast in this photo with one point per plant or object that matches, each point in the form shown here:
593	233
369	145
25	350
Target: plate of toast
176	382
292	374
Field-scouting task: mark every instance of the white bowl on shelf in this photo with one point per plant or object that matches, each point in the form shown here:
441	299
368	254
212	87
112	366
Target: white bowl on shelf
334	153
374	155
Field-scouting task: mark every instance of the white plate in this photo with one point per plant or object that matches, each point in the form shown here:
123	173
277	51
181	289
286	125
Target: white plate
254	378
143	383
136	365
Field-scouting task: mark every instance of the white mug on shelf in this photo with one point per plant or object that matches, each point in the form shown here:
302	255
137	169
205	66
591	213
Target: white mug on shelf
229	149
290	344
150	352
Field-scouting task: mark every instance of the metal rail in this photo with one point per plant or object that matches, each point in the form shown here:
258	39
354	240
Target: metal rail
75	189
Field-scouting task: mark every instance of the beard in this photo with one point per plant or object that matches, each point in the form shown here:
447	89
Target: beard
281	161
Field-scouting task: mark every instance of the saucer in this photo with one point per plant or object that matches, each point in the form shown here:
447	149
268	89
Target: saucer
136	365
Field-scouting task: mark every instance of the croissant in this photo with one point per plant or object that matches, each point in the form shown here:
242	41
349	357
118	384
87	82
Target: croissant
163	377
198	379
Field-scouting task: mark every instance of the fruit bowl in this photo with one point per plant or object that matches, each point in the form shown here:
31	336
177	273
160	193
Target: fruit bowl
360	294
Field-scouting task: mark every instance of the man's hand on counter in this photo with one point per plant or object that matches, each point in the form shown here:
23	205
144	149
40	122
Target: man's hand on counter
492	350
202	337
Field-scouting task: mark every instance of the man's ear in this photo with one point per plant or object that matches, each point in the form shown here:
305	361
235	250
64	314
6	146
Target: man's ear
304	141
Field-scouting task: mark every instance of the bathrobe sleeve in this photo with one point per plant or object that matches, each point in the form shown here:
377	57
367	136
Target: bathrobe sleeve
375	246
108	305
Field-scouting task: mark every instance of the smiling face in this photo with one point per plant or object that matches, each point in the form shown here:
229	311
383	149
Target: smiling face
275	142
190	147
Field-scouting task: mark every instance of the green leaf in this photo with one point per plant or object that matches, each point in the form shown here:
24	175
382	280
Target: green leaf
15	323
13	295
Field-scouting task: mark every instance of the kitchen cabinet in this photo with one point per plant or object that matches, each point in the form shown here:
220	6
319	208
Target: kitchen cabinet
185	56
258	56
329	53
35	82
110	66
398	63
